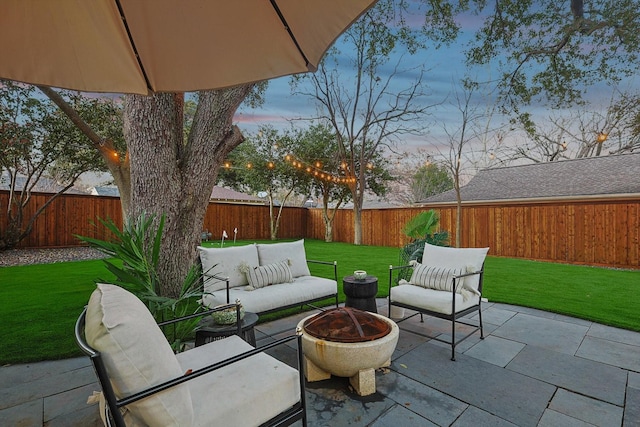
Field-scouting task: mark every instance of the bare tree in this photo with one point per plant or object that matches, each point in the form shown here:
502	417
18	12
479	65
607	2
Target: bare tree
469	137
584	132
364	108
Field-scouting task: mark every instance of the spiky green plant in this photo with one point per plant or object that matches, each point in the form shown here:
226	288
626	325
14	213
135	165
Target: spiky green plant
134	263
422	228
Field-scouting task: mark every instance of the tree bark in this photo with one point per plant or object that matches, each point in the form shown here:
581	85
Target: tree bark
173	177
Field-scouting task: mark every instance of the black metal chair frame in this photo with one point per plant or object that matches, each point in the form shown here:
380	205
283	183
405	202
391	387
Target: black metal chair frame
453	317
301	305
113	404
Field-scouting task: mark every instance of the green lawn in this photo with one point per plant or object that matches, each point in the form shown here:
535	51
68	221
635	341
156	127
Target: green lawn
40	303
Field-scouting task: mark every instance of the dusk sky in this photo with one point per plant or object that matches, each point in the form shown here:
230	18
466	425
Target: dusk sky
444	68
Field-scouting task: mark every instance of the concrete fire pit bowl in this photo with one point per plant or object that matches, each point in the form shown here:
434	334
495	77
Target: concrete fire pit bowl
355	360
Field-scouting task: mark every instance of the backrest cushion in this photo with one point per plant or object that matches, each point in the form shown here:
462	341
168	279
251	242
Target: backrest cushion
465	258
271	253
225	262
136	355
265	275
438	278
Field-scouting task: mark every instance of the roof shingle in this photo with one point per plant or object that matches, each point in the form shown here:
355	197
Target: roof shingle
593	176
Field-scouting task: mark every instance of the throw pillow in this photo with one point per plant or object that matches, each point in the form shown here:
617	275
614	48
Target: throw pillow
438	278
456	258
224	262
265	275
270	253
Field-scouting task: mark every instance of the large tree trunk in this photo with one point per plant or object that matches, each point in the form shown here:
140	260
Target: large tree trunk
173	177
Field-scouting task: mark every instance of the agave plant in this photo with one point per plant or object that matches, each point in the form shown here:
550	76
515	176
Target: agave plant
134	263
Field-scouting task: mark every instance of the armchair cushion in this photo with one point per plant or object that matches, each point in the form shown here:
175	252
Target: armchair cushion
462	258
438	278
274	252
224	262
119	325
259	277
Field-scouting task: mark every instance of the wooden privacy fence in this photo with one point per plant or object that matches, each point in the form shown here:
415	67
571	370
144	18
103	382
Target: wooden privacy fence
603	231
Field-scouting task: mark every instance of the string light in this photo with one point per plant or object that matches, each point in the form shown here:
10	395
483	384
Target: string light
312	168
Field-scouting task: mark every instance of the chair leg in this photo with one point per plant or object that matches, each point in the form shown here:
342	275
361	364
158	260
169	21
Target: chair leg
481	327
453	337
421	318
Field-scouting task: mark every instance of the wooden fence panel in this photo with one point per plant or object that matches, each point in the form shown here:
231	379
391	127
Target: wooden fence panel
595	232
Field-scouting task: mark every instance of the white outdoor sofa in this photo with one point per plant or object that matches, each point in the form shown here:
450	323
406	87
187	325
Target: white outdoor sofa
264	277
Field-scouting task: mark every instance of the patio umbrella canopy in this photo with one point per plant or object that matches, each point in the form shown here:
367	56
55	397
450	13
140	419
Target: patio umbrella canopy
143	46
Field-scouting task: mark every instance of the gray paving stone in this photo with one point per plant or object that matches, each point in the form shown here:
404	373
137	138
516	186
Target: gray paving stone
634	380
586	409
495	350
610	352
495	316
46	386
632	402
552	418
614	334
572	373
425	401
399	416
28	372
65	403
574	320
474	417
552	334
330	403
27	414
508	395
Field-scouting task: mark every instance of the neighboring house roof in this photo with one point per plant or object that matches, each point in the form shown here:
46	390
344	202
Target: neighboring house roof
592	176
44	185
227	195
218	194
105	191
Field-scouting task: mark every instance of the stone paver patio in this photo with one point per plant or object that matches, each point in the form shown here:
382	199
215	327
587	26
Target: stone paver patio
533	369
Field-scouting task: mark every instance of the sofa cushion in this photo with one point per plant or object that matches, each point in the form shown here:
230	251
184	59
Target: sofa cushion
137	355
430	299
302	289
245	393
265	275
273	252
438	278
465	258
225	262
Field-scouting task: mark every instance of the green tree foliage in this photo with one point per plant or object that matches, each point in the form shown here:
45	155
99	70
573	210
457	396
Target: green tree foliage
553	50
39	143
429	180
259	165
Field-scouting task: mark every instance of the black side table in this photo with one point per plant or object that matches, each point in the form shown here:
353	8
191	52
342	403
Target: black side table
209	331
361	294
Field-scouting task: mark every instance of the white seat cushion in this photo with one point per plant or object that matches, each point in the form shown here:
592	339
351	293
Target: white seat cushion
274	252
430	299
225	262
465	258
137	355
246	393
272	297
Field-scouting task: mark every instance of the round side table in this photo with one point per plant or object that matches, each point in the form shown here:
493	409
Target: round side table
209	331
361	294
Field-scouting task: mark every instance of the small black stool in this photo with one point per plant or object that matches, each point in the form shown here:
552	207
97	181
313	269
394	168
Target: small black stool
361	294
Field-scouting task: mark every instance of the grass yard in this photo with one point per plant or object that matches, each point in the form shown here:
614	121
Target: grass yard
40	303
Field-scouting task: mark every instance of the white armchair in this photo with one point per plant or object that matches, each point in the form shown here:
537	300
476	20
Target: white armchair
225	382
447	284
